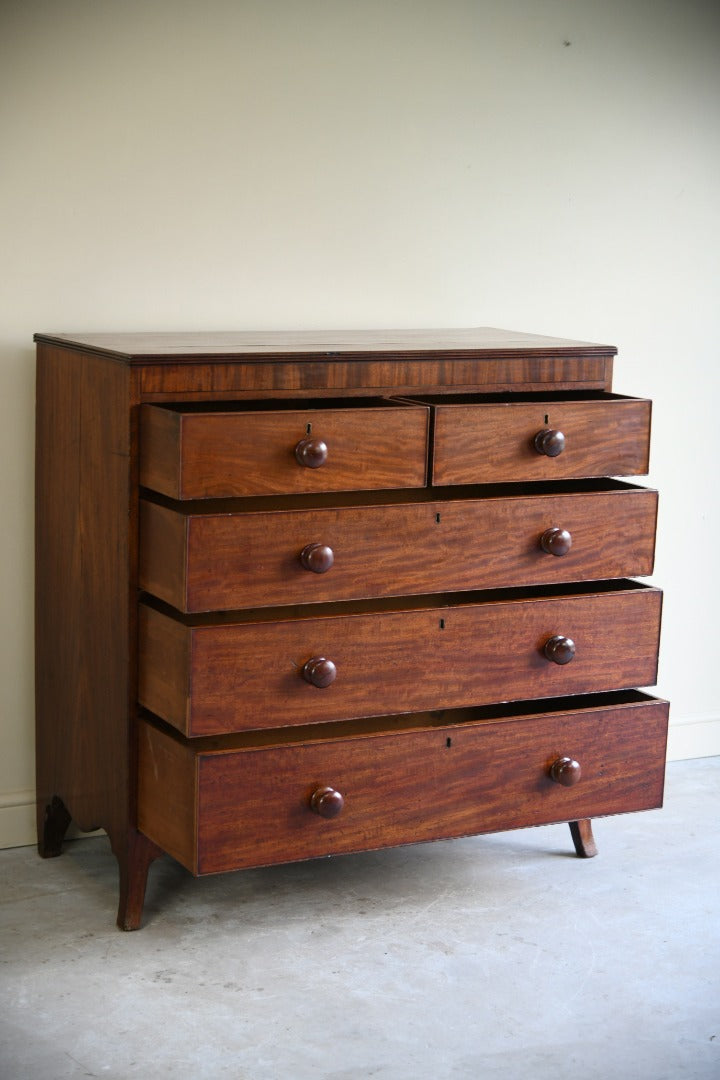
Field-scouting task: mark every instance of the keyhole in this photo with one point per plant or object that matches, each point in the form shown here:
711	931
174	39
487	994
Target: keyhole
448	743
308	429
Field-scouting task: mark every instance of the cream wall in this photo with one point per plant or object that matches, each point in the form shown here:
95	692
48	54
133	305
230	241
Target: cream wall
541	165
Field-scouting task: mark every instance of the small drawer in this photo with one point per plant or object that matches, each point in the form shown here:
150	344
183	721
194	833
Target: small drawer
481	440
213	674
198	559
219	805
275	447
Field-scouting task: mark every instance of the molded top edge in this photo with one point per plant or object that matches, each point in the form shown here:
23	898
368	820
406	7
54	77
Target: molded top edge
315	344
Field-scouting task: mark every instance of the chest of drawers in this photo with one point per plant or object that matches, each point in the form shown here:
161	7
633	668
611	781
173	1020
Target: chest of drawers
306	594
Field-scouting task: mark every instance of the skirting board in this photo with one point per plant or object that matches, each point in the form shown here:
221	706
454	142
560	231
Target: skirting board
17	820
691	738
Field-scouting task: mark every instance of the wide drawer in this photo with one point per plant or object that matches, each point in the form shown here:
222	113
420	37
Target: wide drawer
274	447
204	560
220	805
207	675
539	437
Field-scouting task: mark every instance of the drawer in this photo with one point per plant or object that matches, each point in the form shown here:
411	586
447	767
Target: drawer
213	674
221	804
274	447
199	559
482	440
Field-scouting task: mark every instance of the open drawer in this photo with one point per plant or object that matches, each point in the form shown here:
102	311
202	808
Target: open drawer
483	439
204	450
239	671
205	556
253	800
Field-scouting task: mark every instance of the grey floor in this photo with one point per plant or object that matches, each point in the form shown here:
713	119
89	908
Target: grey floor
499	956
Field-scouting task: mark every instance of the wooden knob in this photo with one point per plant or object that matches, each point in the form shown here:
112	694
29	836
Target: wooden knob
556	541
319	672
549	442
327	802
317	557
565	771
559	649
312	453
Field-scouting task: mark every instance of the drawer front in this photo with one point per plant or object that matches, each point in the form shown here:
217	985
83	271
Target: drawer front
238	676
206	562
494	442
189	454
224	810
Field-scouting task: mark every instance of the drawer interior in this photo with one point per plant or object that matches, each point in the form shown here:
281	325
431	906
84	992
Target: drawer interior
498	713
518	398
380	605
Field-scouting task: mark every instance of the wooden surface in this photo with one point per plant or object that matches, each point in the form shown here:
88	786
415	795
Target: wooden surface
224	677
188	455
250	343
83	570
240	790
200	561
252	807
489	443
85	611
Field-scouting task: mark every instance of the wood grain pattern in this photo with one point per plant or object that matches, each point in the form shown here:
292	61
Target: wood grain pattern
188	455
243	675
486	443
251	807
83	569
391	612
203	561
85	603
249	344
387	376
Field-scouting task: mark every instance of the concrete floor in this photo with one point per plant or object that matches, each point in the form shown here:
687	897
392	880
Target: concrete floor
499	956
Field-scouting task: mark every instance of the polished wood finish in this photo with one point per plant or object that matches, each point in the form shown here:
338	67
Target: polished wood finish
268	451
252	345
583	839
85	617
556	541
312	453
550	443
290	528
486	443
559	649
224	676
398	787
327	802
319	672
216	366
566	771
239	555
318	558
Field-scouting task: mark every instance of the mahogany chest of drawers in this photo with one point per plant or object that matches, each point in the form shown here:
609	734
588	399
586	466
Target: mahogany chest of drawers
307	594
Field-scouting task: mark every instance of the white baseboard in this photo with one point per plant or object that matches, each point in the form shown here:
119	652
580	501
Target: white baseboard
17	820
692	738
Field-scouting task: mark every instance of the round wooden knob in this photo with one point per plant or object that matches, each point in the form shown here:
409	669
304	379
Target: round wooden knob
559	649
312	453
565	771
549	442
319	672
556	541
317	557
327	802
